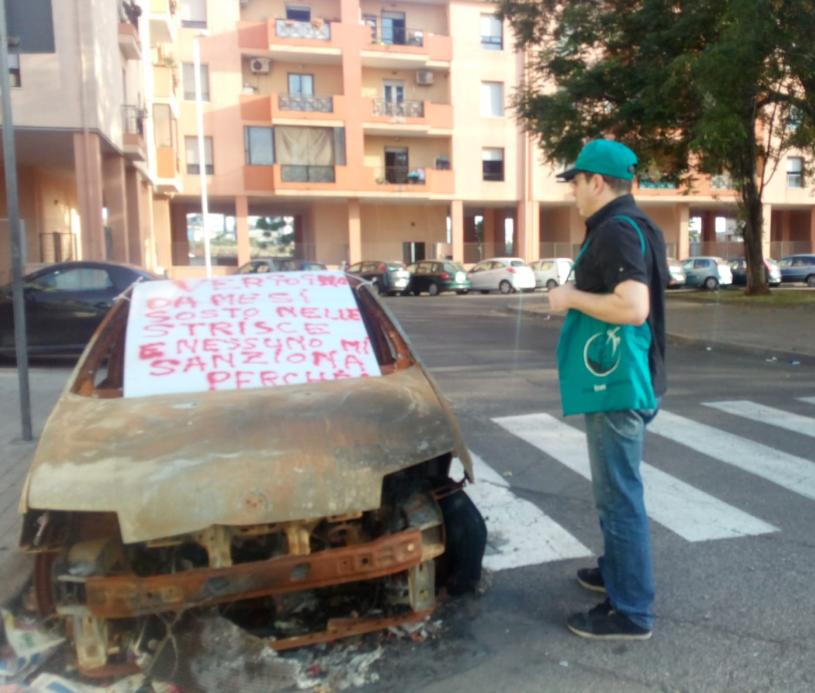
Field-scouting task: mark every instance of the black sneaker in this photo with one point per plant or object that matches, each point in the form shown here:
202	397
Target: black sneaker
603	623
591	579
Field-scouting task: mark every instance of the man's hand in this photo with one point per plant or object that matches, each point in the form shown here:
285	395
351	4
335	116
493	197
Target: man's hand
561	298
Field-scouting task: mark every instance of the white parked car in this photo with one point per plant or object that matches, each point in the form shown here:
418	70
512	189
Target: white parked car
504	274
551	272
707	272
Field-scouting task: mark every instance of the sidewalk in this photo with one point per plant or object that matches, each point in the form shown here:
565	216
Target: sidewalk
45	384
784	332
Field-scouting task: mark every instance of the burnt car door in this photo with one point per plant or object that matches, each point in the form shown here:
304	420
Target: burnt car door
65	305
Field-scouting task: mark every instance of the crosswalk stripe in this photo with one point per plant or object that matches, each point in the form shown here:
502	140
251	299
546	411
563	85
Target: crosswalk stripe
692	514
808	400
788	471
768	415
518	532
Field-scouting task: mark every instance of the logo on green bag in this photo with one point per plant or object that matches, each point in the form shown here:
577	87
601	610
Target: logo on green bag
602	353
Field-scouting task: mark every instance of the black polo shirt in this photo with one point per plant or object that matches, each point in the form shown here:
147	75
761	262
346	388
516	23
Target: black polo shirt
615	255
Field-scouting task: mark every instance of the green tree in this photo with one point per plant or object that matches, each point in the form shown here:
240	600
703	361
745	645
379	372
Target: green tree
694	86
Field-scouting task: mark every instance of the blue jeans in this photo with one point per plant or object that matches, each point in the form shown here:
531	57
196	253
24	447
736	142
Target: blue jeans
615	441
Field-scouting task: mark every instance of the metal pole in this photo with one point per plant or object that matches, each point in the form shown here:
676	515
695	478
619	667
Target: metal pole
12	204
202	160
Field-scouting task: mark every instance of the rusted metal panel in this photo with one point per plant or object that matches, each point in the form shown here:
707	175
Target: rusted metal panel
126	596
175	464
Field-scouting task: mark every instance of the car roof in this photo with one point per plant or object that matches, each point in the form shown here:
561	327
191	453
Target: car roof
100	264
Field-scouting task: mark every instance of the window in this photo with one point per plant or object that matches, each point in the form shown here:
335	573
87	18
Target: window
188	72
78	279
164	125
15	79
194	13
492	99
192	155
492	164
491	32
298	13
259	144
795	172
300	84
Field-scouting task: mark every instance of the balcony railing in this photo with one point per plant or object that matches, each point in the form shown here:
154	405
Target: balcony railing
401	175
397	36
133	120
299	102
400	109
304	173
315	29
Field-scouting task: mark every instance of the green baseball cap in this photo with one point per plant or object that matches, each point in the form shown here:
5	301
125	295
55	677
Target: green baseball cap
606	157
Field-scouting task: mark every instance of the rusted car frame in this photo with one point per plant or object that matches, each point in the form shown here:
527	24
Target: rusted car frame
158	504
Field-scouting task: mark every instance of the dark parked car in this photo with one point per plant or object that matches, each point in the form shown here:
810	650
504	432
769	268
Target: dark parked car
798	268
738	265
388	277
435	276
65	303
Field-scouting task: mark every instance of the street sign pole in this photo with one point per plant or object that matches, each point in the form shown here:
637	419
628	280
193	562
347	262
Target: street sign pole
13	212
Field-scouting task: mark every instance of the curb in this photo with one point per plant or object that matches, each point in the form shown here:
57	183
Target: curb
713	344
16	570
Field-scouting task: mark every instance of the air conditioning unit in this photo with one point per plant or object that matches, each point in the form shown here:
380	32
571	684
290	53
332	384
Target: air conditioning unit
424	77
244	3
260	66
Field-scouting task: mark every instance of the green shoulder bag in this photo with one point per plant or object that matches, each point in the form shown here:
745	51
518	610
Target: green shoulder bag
603	366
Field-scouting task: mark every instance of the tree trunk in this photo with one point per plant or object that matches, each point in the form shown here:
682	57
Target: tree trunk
753	247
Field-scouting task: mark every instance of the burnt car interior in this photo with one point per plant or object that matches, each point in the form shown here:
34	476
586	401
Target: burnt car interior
299	582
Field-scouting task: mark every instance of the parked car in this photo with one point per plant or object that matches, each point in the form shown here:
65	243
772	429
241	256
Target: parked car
64	304
707	272
435	276
504	274
260	265
388	277
187	468
798	268
551	272
772	272
676	275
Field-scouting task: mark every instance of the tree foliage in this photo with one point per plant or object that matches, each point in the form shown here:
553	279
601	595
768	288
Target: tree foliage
694	86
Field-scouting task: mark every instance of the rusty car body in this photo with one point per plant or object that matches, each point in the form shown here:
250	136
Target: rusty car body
152	505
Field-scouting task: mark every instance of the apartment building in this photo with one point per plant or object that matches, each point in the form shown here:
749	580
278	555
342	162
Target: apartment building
335	130
79	111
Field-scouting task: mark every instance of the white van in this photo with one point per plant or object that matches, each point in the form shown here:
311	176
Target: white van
551	271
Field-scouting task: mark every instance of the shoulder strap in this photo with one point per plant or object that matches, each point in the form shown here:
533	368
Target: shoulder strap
630	221
636	227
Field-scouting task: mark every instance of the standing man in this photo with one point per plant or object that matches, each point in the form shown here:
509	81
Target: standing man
617	283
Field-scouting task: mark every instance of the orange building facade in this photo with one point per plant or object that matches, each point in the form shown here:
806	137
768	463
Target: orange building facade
336	130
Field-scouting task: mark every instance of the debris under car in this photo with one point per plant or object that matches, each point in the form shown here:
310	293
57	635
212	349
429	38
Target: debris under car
267	443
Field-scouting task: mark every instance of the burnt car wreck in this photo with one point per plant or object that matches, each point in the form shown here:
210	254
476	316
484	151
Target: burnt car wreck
137	506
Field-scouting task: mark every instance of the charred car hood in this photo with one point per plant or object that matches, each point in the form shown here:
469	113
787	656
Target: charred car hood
174	464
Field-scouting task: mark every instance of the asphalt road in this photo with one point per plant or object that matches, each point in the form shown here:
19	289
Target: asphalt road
732	509
734	613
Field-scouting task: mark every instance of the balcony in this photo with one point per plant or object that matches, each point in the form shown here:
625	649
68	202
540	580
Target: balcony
129	43
407	117
279	108
400	46
315	30
286	39
167	169
133	133
421	180
295	177
163	21
165	83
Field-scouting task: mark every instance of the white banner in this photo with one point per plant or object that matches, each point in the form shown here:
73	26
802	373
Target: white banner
244	331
